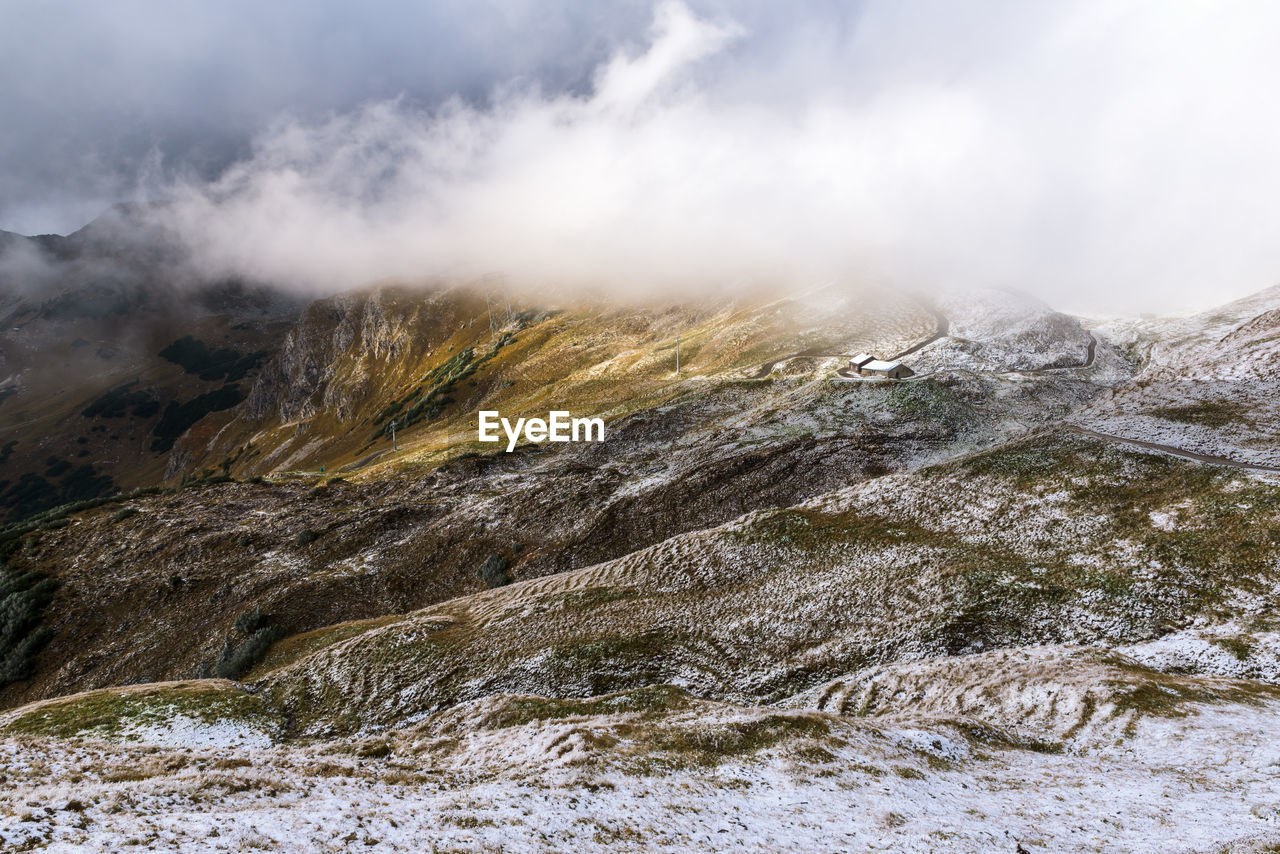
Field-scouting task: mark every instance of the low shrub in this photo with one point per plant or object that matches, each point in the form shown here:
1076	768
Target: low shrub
124	400
23	596
236	661
178	417
493	572
249	622
196	357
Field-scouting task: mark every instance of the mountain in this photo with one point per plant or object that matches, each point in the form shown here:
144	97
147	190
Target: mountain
1208	385
988	607
401	529
112	348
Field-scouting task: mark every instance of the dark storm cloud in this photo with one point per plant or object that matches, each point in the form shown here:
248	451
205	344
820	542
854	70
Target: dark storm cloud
96	97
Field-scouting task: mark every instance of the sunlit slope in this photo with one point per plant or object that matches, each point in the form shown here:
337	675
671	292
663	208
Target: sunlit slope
725	437
432	360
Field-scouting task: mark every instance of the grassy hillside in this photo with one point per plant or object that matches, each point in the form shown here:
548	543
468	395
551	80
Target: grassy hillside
93	402
410	529
961	632
819	607
1056	539
431	361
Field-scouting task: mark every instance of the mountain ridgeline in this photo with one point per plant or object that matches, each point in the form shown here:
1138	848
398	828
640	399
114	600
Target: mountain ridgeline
1050	546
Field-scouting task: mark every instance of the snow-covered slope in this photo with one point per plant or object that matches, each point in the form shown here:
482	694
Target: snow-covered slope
1210	383
997	331
656	770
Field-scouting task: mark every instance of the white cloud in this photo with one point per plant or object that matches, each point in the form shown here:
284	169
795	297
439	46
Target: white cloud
1108	156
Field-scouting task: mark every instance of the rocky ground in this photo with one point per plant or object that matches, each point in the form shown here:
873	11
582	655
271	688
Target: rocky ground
774	610
658	770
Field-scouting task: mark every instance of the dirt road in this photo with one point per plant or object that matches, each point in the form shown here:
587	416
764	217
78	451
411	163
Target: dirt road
1169	449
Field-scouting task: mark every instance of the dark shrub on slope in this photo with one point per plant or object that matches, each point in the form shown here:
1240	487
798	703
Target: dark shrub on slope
178	417
493	572
196	357
23	596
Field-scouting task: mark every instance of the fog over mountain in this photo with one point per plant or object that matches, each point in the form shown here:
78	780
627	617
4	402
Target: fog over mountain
1109	157
647	426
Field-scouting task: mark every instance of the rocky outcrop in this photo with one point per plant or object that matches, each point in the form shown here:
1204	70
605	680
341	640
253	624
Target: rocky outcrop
333	356
290	384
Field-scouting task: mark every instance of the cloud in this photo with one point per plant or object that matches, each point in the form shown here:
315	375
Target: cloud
1108	156
91	90
545	188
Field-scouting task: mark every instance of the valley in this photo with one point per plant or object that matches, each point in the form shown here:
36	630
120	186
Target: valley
660	427
771	605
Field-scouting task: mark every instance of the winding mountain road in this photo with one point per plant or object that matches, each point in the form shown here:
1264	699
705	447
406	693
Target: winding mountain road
1169	449
941	328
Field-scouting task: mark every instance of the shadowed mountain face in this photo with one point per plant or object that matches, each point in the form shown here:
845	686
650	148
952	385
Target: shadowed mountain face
111	348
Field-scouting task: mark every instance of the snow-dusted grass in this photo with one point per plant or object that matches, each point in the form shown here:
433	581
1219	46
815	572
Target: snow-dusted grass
205	712
1051	540
1223	650
1208	384
884	667
613	782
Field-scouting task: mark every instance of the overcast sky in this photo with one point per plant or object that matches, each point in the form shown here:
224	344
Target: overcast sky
94	93
1110	156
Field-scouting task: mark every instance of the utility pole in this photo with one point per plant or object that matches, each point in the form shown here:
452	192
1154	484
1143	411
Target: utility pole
394	446
489	308
677	354
507	300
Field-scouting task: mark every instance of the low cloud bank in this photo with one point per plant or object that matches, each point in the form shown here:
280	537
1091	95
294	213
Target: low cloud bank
1109	157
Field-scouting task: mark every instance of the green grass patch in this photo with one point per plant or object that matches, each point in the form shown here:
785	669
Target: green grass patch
712	744
612	663
1204	413
297	647
112	712
434	392
928	400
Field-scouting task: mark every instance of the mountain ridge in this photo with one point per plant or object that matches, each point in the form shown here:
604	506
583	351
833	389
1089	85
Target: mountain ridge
771	581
